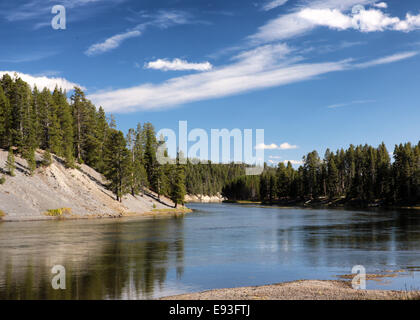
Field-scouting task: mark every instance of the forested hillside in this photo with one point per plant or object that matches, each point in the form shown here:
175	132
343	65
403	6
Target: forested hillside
79	132
362	174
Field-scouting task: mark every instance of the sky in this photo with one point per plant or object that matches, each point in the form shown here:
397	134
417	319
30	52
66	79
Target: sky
313	74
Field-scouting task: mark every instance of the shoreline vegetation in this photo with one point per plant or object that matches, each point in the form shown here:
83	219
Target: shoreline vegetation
360	176
62	146
322	203
300	290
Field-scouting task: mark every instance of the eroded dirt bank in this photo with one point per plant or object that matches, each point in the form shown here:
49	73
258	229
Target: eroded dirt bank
83	190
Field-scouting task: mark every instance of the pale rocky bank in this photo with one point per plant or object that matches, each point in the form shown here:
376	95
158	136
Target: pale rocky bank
204	198
300	290
83	190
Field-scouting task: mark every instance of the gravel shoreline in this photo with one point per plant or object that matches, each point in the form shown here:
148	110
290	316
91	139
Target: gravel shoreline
299	290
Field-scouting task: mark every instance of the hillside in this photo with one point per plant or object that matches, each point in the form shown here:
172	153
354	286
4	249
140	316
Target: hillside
25	197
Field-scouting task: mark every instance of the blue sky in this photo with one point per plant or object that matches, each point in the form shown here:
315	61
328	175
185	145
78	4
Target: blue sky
312	74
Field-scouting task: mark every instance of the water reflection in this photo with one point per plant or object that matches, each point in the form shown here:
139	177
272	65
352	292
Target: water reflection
217	246
110	260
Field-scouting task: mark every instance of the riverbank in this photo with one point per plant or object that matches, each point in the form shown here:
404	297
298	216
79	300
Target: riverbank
58	192
299	290
200	198
326	204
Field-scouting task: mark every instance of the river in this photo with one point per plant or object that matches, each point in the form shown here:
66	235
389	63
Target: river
217	246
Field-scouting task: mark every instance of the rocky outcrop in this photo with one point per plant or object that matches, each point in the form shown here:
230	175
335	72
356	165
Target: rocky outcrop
204	198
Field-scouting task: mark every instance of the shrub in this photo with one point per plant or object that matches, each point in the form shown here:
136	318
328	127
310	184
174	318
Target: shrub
46	158
2	180
2	214
58	212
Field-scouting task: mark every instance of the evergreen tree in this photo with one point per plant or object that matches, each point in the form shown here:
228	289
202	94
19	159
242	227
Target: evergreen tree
29	156
332	178
4	119
10	163
151	164
117	164
178	185
46	158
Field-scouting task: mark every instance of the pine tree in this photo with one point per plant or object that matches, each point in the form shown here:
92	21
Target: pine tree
4	119
46	158
117	164
332	179
10	163
178	185
29	155
150	161
78	106
101	131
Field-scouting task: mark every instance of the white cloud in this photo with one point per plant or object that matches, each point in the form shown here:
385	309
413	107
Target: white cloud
371	20
264	67
339	105
273	146
291	25
42	81
331	14
111	43
260	68
287	146
163	19
382	5
273	4
178	65
294	162
388	59
263	146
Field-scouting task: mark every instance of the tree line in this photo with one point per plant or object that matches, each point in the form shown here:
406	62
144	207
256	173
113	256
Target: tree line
78	132
360	173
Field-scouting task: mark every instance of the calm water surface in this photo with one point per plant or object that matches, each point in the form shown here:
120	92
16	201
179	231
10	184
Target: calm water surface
217	246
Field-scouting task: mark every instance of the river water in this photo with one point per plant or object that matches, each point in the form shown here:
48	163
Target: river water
217	246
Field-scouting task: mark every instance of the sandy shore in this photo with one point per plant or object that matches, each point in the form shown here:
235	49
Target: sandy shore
299	290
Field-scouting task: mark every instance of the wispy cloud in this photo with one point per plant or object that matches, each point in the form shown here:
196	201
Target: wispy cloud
263	67
35	9
339	105
28	57
43	81
178	65
111	43
260	68
163	19
273	4
388	59
332	14
273	146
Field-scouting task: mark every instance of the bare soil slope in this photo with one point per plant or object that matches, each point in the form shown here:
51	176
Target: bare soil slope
26	197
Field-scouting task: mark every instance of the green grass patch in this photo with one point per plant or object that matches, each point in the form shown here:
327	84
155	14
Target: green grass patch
58	212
